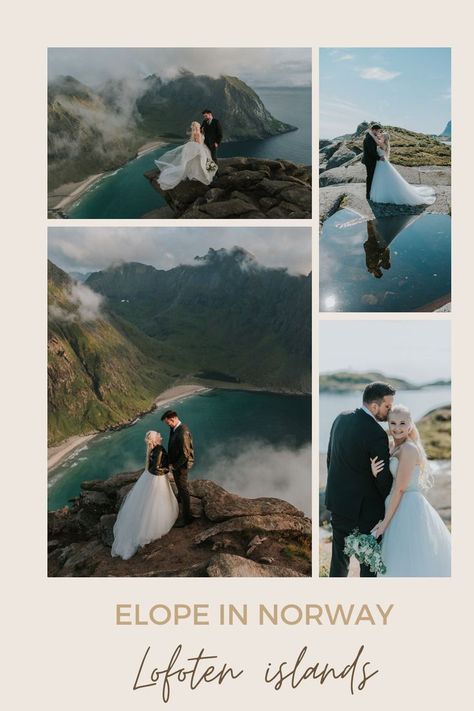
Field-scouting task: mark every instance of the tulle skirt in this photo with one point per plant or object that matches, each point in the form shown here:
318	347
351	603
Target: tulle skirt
388	186
416	543
190	161
147	513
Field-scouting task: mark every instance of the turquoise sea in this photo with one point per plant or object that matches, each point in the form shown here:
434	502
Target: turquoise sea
126	194
252	443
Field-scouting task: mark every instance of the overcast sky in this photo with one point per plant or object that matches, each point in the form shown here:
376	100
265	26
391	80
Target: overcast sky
87	249
416	350
398	86
257	67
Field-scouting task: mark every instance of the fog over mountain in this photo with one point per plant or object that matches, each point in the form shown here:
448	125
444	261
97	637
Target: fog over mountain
256	66
84	250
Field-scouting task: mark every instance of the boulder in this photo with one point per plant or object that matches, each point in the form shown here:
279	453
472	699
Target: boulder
280	524
341	156
245	188
225	565
220	505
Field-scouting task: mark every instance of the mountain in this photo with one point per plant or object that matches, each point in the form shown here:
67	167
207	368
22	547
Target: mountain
447	131
79	276
346	381
92	131
85	135
97	377
225	314
130	331
167	108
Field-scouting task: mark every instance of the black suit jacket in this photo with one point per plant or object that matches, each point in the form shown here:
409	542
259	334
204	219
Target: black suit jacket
212	132
181	448
158	461
370	156
352	490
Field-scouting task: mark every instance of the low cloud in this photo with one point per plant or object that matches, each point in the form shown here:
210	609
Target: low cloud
85	302
264	470
377	74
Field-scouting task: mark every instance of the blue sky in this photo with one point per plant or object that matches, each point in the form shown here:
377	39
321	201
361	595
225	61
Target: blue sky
399	86
417	350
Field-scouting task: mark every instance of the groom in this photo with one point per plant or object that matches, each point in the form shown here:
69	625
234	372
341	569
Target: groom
181	459
212	130
355	497
370	156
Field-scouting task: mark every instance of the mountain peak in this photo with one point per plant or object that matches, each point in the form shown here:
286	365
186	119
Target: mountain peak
236	255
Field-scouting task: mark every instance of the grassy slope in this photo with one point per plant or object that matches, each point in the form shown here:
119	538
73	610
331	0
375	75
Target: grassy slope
412	149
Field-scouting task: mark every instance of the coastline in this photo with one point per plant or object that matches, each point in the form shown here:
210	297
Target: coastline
59	452
62	197
69	192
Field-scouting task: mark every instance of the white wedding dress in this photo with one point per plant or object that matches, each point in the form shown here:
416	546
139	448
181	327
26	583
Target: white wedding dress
147	513
388	186
416	542
190	161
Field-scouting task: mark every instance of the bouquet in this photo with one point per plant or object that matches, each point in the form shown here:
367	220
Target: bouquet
367	551
210	165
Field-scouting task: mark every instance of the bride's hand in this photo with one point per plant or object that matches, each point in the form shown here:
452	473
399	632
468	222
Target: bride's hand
378	529
376	465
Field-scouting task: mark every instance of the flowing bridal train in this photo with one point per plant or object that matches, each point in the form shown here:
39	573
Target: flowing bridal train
150	508
192	161
388	186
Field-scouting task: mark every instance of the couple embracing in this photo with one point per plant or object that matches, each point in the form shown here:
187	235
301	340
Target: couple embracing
150	508
375	485
384	184
194	160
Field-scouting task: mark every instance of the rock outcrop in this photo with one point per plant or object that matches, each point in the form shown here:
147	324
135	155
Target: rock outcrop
231	536
419	158
244	188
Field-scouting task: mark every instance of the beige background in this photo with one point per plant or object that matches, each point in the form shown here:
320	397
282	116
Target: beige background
62	646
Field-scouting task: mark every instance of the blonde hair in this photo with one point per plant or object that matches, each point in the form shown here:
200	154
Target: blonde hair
426	475
152	438
386	140
196	132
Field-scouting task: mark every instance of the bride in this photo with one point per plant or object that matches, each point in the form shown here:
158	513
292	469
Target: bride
416	542
388	185
192	160
150	507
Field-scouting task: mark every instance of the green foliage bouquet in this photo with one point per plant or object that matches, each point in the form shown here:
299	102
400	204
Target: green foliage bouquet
367	551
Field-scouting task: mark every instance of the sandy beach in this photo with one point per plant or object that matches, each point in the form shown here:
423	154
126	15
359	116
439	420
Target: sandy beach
147	147
63	196
177	392
58	453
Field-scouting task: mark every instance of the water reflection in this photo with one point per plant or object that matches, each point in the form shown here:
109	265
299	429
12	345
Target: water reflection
399	263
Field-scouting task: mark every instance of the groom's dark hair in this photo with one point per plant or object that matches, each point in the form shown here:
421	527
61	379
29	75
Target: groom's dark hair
375	392
207	111
376	126
168	415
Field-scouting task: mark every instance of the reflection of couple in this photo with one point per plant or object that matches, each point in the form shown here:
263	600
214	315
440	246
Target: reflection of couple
377	488
194	160
384	183
150	509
